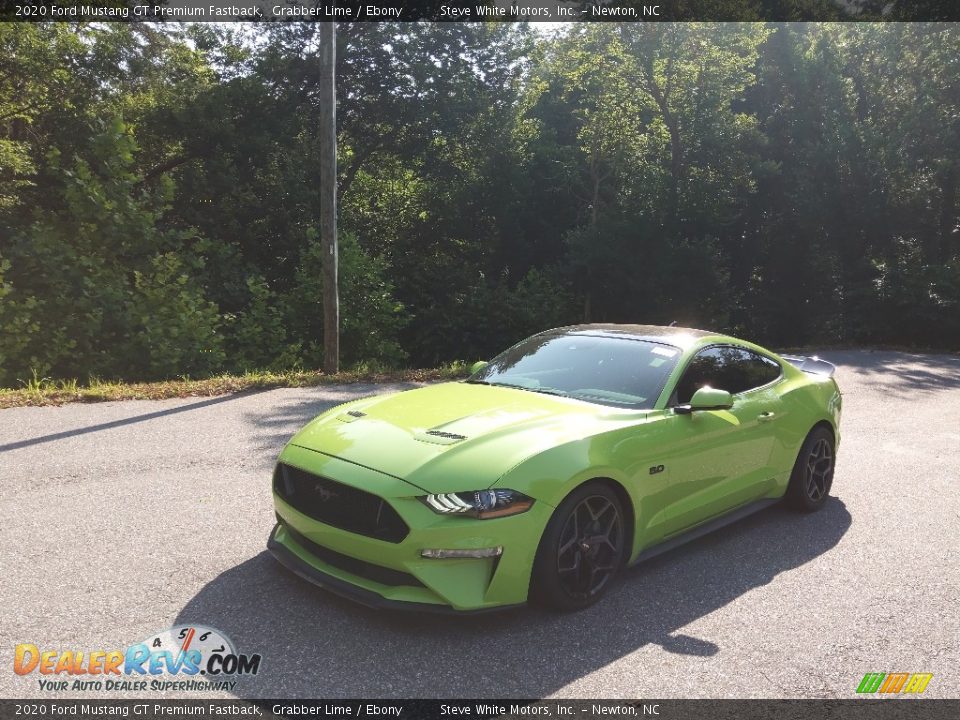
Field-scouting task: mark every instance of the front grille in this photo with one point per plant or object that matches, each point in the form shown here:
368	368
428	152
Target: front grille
360	568
339	505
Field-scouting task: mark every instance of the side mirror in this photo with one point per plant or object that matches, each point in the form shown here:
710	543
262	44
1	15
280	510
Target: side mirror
706	398
478	366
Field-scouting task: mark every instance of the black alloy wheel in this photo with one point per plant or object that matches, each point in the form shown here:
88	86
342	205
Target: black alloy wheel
589	550
582	549
819	470
812	475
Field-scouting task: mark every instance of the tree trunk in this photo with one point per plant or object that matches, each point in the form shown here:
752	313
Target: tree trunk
328	198
944	250
677	169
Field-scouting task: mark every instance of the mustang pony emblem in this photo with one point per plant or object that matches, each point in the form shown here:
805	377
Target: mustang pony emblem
325	493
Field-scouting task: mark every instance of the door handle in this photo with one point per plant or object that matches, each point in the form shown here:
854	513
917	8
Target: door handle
766	416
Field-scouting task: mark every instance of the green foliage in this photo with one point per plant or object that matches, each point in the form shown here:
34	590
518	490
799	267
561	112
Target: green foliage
915	300
793	183
489	316
30	85
258	338
101	287
370	316
16	327
174	327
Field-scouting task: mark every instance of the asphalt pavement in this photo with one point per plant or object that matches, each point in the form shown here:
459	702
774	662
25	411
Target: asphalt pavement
119	520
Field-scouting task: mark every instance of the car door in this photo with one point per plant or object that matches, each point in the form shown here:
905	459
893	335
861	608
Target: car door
720	459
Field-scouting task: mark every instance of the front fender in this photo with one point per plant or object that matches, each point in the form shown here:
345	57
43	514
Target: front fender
623	456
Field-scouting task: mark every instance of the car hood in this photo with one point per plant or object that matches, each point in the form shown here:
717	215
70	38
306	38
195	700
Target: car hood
453	437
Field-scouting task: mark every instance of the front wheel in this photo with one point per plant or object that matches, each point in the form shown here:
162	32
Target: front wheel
813	472
581	551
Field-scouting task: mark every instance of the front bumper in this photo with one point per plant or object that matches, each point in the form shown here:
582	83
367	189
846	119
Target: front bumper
278	545
379	573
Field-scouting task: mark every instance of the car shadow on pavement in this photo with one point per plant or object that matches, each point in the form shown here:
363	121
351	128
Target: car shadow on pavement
314	644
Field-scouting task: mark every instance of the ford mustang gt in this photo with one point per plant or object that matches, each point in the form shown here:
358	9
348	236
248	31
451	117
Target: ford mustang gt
571	455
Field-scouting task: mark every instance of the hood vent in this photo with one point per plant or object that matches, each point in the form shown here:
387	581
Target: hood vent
439	437
351	415
447	435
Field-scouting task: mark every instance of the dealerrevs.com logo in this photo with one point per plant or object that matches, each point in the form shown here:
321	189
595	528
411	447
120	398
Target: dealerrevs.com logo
186	657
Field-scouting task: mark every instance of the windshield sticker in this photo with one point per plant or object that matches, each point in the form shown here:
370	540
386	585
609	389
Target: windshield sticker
666	352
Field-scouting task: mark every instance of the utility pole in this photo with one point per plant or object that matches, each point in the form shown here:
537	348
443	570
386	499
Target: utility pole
328	197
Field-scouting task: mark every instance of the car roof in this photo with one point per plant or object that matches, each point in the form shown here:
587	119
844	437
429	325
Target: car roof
680	337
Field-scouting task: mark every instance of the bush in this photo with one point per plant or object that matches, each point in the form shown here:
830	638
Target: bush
256	337
370	316
916	303
174	329
96	284
17	331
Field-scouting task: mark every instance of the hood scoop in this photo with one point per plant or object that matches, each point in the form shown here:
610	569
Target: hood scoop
350	416
476	425
439	437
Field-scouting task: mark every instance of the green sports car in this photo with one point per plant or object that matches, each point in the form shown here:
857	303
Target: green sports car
566	458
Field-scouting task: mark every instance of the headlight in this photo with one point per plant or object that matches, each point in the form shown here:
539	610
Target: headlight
480	504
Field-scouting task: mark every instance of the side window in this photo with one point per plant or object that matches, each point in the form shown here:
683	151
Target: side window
726	368
758	370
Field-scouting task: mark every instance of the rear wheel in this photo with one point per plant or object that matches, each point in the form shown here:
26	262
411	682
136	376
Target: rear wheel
581	551
812	474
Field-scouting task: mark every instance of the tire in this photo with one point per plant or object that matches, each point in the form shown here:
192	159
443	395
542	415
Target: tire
582	550
812	474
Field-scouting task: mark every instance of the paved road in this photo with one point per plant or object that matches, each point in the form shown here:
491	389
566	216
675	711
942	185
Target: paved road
121	519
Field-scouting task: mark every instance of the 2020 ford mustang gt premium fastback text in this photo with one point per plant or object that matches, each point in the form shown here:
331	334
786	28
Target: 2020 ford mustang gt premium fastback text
573	454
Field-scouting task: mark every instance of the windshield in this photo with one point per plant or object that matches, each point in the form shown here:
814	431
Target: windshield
622	372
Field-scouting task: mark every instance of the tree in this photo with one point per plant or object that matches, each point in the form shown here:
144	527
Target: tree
793	183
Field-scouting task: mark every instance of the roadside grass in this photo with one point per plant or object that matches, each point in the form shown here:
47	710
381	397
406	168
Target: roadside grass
46	391
39	390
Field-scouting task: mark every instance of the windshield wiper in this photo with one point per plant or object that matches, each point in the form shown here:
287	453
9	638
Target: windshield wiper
544	391
541	390
548	391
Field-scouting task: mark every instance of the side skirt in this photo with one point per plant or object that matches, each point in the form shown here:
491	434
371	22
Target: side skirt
705	528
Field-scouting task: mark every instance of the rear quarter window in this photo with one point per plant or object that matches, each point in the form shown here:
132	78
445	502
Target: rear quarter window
733	369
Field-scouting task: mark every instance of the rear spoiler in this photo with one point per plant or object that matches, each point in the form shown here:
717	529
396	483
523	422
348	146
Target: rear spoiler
812	365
